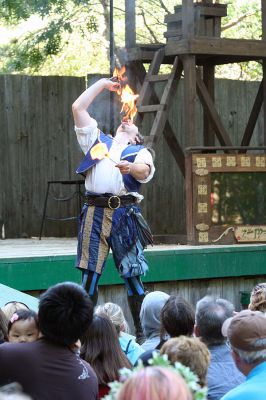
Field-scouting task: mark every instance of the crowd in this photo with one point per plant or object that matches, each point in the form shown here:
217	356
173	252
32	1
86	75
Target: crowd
71	350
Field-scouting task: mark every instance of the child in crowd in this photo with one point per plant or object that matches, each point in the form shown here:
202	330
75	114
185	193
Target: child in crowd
23	327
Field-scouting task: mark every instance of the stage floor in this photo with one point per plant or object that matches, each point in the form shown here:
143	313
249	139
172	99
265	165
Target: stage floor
33	247
33	264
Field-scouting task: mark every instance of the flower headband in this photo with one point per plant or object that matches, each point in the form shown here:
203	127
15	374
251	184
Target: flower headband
14	318
191	379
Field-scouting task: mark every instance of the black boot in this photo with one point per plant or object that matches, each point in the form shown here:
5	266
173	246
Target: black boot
134	303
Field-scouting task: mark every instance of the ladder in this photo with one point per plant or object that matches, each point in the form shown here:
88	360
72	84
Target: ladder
160	107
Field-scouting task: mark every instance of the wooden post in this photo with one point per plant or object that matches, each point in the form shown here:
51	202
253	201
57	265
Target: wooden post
208	79
188	19
130	23
263	19
189	65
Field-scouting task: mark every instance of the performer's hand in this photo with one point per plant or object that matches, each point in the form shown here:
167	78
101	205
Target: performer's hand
124	167
112	85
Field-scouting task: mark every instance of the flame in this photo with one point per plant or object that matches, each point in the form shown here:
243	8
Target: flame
126	94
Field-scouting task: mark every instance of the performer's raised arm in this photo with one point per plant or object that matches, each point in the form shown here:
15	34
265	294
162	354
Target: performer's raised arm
80	106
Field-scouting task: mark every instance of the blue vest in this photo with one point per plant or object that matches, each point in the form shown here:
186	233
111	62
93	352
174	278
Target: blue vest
128	154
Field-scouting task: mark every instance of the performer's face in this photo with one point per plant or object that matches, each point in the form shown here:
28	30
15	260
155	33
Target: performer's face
128	130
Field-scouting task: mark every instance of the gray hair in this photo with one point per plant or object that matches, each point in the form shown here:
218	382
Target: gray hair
210	316
251	357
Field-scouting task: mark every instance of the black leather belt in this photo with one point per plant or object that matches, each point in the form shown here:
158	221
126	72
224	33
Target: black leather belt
111	202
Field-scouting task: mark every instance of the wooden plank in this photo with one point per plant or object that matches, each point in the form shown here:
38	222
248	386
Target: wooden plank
206	99
151	108
253	117
158	78
217	46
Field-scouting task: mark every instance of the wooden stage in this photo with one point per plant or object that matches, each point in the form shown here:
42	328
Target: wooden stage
33	264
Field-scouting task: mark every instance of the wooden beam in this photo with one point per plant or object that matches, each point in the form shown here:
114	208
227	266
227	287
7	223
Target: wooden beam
174	146
253	117
213	115
263	19
189	66
130	23
217	46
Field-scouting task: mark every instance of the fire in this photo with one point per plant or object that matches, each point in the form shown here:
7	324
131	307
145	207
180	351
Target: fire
127	96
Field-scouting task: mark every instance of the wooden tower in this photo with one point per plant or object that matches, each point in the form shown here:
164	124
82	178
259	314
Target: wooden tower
194	47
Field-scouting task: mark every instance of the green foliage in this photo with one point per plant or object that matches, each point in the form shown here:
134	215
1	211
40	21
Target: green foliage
73	35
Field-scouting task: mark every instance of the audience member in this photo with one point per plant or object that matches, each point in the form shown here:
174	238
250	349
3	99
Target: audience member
3	327
49	368
191	352
222	373
246	333
127	342
12	306
155	383
23	327
177	318
100	347
150	318
258	298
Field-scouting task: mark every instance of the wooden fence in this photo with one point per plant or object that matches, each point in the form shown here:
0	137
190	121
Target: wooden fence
38	144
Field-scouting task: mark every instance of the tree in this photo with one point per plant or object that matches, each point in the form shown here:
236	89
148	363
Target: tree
73	35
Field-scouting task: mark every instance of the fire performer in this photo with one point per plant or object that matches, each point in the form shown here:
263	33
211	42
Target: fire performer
114	169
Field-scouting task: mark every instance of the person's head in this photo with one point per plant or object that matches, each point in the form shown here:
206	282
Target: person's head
210	316
258	298
12	306
116	315
177	317
100	347
246	334
191	352
150	312
129	131
155	383
23	327
65	313
3	327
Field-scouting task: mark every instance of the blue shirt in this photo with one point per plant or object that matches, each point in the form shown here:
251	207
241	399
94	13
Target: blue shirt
131	349
223	374
254	387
